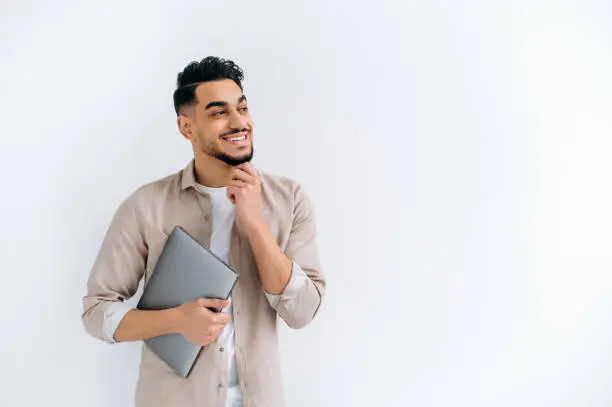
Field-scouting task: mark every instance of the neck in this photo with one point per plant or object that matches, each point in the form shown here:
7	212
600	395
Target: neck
211	172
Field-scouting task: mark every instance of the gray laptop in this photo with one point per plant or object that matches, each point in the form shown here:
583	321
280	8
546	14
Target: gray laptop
185	271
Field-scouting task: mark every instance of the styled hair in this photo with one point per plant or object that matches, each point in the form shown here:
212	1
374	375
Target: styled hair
207	70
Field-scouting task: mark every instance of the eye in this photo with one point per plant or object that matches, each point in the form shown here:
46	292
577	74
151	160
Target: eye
219	113
244	109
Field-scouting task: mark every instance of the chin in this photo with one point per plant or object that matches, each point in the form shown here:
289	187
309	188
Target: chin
235	159
243	154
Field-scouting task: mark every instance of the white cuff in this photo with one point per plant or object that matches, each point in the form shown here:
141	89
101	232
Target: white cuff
112	317
296	281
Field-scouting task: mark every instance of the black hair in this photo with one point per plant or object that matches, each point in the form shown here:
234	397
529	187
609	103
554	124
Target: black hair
208	69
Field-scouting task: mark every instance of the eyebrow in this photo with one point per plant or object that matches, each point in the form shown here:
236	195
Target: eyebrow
222	103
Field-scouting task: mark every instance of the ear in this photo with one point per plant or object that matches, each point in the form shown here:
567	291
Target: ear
185	126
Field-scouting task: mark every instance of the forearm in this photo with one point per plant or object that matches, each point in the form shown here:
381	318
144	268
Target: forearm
273	265
138	325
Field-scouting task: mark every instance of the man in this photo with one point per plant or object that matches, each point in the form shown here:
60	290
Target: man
262	225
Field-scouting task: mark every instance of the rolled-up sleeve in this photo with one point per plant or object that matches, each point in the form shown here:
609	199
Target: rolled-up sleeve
112	317
299	302
116	272
296	281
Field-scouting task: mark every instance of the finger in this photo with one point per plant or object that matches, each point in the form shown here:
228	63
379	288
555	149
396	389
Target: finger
248	168
219	331
238	183
231	197
208	338
234	191
211	302
243	176
221	319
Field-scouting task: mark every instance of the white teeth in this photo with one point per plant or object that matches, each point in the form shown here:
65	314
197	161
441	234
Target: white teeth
236	138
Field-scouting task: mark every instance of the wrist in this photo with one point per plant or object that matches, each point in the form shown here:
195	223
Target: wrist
173	320
254	226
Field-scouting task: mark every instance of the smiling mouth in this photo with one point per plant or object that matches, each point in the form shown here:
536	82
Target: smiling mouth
236	138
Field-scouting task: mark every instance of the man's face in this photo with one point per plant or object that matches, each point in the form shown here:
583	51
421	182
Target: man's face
222	125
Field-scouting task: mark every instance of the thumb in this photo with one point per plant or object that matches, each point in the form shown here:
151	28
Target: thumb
231	196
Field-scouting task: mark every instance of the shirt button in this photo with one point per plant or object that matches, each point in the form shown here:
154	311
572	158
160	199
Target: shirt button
221	349
207	217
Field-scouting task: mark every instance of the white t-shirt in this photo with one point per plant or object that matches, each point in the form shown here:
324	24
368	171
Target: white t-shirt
223	214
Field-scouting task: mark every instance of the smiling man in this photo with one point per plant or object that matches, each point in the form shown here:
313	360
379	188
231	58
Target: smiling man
262	225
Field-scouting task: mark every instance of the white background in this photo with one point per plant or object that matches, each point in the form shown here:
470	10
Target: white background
457	152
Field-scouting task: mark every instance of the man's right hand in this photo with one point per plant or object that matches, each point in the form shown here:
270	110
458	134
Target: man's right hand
198	324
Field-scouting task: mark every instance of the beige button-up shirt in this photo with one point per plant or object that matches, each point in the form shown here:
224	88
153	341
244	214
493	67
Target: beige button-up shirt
131	248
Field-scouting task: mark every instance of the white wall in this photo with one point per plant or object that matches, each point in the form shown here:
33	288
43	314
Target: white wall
457	154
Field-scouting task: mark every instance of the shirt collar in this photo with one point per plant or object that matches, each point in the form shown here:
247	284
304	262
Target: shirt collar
188	176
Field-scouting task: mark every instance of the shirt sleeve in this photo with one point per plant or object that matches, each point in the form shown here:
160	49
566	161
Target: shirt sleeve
297	280
112	317
299	302
117	270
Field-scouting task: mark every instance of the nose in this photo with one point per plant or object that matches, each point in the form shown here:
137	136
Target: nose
237	121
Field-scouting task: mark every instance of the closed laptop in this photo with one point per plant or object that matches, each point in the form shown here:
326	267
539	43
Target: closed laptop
185	271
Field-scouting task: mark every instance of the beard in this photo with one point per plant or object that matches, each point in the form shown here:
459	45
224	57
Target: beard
211	150
233	161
